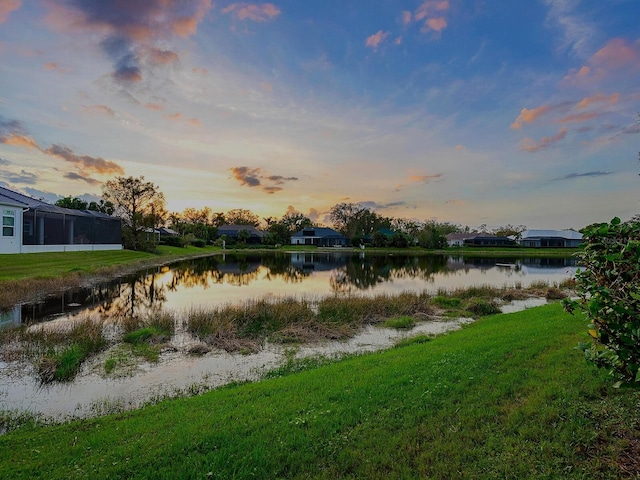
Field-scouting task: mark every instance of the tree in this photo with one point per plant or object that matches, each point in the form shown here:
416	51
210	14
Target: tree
74	203
140	205
240	216
295	221
510	231
609	295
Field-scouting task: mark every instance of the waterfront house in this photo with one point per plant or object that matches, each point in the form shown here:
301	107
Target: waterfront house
551	238
32	226
319	236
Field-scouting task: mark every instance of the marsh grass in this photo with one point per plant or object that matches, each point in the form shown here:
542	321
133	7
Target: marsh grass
297	320
403	322
148	334
61	349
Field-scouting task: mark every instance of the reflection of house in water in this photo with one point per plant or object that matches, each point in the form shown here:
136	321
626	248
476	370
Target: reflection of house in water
527	263
318	261
66	303
10	318
248	265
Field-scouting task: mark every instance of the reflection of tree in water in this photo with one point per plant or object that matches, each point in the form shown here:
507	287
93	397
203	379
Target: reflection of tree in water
365	273
137	294
280	265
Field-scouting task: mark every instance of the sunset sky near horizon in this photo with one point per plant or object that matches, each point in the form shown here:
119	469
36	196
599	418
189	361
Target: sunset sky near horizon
465	111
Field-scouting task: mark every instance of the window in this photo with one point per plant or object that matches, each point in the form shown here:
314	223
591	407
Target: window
8	223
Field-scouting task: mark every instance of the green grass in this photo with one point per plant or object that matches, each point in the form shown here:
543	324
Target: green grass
402	322
506	397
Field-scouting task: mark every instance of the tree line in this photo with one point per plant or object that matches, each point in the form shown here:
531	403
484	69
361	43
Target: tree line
142	208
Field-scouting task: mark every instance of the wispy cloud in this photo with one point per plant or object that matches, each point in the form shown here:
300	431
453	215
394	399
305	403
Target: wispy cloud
374	41
616	55
22	177
572	176
8	6
577	33
98	110
251	11
12	132
84	178
253	177
530	145
373	205
85	162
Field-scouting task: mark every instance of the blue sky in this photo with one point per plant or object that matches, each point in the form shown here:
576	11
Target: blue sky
467	111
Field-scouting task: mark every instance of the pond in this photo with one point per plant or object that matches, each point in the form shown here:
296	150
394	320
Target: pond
234	279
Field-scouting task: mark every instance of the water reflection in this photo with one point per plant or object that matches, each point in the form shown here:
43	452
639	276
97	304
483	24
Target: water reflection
233	278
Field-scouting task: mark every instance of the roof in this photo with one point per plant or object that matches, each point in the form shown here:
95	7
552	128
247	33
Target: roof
9	197
322	232
566	234
460	236
225	229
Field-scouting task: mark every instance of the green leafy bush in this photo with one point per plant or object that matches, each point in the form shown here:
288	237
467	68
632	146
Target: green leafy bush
608	289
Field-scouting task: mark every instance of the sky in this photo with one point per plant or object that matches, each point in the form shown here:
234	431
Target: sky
473	112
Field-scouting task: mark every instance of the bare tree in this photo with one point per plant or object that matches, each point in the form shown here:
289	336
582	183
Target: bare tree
140	205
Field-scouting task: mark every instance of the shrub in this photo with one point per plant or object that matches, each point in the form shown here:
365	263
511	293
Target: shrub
199	242
608	290
480	307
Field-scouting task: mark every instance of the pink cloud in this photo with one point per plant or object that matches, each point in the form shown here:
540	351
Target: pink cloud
530	145
373	41
8	6
598	98
55	67
99	110
157	56
154	106
436	24
580	117
18	140
617	53
431	13
128	29
528	116
424	178
406	17
256	12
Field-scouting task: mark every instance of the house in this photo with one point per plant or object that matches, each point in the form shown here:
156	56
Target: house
484	240
33	226
551	238
233	232
457	239
319	236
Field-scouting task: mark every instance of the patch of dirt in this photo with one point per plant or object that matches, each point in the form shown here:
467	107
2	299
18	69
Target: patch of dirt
629	462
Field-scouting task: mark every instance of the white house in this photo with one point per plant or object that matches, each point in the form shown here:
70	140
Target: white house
550	238
33	226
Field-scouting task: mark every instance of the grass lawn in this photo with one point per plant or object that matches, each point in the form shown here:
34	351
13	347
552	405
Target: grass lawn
55	264
505	397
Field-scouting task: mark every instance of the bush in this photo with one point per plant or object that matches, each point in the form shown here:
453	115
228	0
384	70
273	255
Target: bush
199	242
174	241
609	294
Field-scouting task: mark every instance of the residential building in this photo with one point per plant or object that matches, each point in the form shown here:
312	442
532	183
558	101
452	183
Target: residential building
551	238
32	226
319	236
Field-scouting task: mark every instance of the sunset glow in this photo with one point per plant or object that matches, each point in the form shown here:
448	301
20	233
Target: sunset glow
467	112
